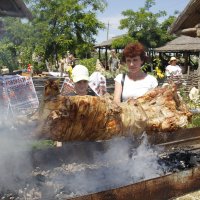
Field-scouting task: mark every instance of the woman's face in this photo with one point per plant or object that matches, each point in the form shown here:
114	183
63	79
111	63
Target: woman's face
81	87
134	63
173	62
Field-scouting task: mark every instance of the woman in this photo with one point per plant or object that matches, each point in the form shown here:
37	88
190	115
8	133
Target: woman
173	70
174	73
136	82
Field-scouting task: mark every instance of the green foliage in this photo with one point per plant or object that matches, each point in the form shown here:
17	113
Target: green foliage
195	122
8	54
57	26
69	25
121	42
145	26
84	50
89	63
42	144
38	68
122	69
15	50
62	25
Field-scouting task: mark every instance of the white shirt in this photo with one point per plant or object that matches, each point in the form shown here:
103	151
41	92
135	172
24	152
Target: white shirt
135	89
173	70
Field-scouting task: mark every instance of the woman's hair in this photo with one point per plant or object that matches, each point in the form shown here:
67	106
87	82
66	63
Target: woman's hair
135	49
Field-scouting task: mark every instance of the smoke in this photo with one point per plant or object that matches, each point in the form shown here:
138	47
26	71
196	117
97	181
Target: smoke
122	162
144	161
132	161
15	164
83	167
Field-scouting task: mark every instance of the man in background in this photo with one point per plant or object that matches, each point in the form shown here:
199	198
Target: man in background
113	61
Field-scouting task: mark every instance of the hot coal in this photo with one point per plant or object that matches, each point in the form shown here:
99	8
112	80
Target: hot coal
180	160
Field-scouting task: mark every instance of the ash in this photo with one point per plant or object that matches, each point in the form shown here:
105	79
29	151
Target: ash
71	180
82	168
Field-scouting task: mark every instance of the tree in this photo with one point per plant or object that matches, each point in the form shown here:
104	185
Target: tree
57	26
63	25
16	43
146	27
121	42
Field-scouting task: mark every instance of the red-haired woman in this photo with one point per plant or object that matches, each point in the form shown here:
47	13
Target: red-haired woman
136	82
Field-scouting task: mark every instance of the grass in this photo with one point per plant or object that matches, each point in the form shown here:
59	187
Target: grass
195	122
42	144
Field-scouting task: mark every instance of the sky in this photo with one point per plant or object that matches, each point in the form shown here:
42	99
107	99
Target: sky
112	14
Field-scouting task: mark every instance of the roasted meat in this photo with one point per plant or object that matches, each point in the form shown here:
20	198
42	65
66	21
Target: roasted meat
70	118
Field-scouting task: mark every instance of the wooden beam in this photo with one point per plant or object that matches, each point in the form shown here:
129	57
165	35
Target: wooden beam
17	8
189	32
22	7
11	13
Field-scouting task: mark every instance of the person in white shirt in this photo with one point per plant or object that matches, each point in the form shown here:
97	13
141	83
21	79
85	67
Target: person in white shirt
173	70
136	82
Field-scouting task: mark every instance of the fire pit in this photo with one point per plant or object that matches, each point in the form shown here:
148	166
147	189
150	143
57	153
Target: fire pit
103	170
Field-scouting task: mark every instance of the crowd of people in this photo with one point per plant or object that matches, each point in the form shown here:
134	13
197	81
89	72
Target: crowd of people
132	84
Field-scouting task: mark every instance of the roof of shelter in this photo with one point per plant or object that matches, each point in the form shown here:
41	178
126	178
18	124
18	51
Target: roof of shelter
187	19
108	42
181	44
14	8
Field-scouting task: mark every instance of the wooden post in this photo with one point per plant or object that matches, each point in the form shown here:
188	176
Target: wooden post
106	56
188	71
186	63
198	72
99	53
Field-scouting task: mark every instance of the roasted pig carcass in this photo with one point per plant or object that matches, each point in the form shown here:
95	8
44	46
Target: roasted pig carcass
165	110
90	118
70	118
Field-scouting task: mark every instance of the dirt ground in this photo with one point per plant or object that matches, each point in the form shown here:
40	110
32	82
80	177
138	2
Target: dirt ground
190	196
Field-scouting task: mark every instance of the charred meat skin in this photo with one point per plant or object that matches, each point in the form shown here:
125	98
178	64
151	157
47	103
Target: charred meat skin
71	118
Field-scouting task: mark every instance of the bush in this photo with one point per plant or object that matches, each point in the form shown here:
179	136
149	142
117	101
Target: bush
89	63
38	68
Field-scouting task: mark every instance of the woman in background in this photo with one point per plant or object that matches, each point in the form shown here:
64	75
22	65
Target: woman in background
173	70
